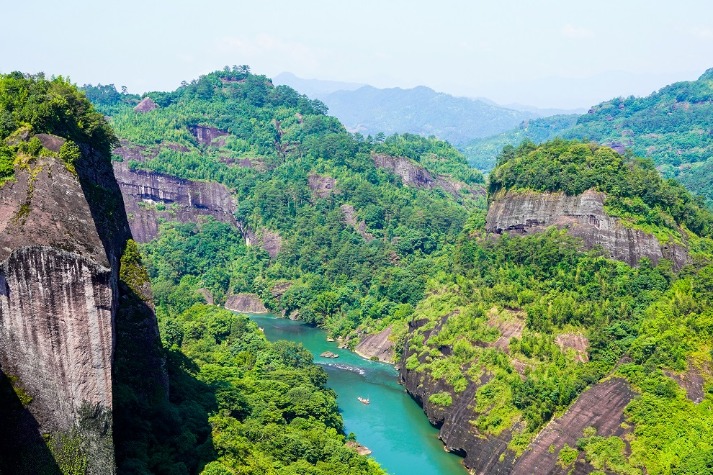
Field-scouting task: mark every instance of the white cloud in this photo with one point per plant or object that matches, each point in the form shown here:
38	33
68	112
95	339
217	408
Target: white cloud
576	32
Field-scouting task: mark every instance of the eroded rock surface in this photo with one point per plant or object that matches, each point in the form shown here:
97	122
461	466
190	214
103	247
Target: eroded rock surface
208	135
321	185
601	406
350	217
149	196
270	241
59	277
584	217
250	303
146	105
378	346
415	175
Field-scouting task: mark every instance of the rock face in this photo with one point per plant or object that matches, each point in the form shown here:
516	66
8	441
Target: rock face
417	176
146	105
208	135
271	241
62	235
378	346
177	199
57	301
350	217
321	185
584	217
601	406
249	303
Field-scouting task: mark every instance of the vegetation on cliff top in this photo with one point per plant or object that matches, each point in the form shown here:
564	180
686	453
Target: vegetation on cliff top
635	190
31	105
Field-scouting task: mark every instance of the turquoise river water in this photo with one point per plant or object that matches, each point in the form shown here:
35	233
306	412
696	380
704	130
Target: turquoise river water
393	426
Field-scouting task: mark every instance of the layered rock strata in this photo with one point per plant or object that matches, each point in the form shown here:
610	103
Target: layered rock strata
584	217
150	197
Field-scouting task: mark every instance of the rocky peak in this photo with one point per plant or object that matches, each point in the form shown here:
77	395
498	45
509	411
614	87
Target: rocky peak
523	212
146	105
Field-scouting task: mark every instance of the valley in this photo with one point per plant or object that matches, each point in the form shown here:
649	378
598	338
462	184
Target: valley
554	318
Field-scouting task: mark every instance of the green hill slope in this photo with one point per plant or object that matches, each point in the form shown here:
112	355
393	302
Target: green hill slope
519	329
672	126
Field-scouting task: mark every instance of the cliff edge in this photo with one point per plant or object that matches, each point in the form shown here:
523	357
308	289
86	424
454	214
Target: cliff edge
583	215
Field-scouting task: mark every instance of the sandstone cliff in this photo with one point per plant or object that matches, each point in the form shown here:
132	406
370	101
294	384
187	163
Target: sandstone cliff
378	346
150	197
62	235
249	303
415	175
584	217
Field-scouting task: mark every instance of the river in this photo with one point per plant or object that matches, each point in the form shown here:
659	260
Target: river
393	426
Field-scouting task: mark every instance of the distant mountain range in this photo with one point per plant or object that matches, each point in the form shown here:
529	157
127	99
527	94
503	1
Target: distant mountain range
420	110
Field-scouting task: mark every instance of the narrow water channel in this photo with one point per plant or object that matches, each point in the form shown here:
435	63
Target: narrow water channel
393	426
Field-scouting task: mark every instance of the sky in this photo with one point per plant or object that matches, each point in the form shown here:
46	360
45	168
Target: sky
545	53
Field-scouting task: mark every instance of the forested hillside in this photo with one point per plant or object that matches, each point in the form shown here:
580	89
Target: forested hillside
527	326
500	336
355	241
354	225
672	127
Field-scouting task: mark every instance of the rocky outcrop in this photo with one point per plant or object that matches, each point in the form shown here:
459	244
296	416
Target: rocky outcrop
321	185
270	241
150	196
417	176
208	135
146	105
584	217
250	303
691	381
377	345
601	406
350	217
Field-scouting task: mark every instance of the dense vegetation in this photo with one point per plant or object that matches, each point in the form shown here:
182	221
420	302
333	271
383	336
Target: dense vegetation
643	324
421	256
276	141
32	104
671	126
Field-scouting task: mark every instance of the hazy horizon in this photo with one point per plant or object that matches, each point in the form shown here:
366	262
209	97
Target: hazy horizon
553	54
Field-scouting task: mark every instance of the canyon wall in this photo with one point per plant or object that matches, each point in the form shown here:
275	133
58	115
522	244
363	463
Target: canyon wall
151	196
583	216
63	231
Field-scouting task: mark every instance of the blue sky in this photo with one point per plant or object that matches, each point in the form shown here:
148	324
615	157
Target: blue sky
549	53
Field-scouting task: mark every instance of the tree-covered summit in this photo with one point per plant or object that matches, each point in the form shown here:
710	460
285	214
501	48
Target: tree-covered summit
633	186
671	126
32	105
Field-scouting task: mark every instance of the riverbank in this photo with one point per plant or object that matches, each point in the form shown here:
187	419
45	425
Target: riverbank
392	425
